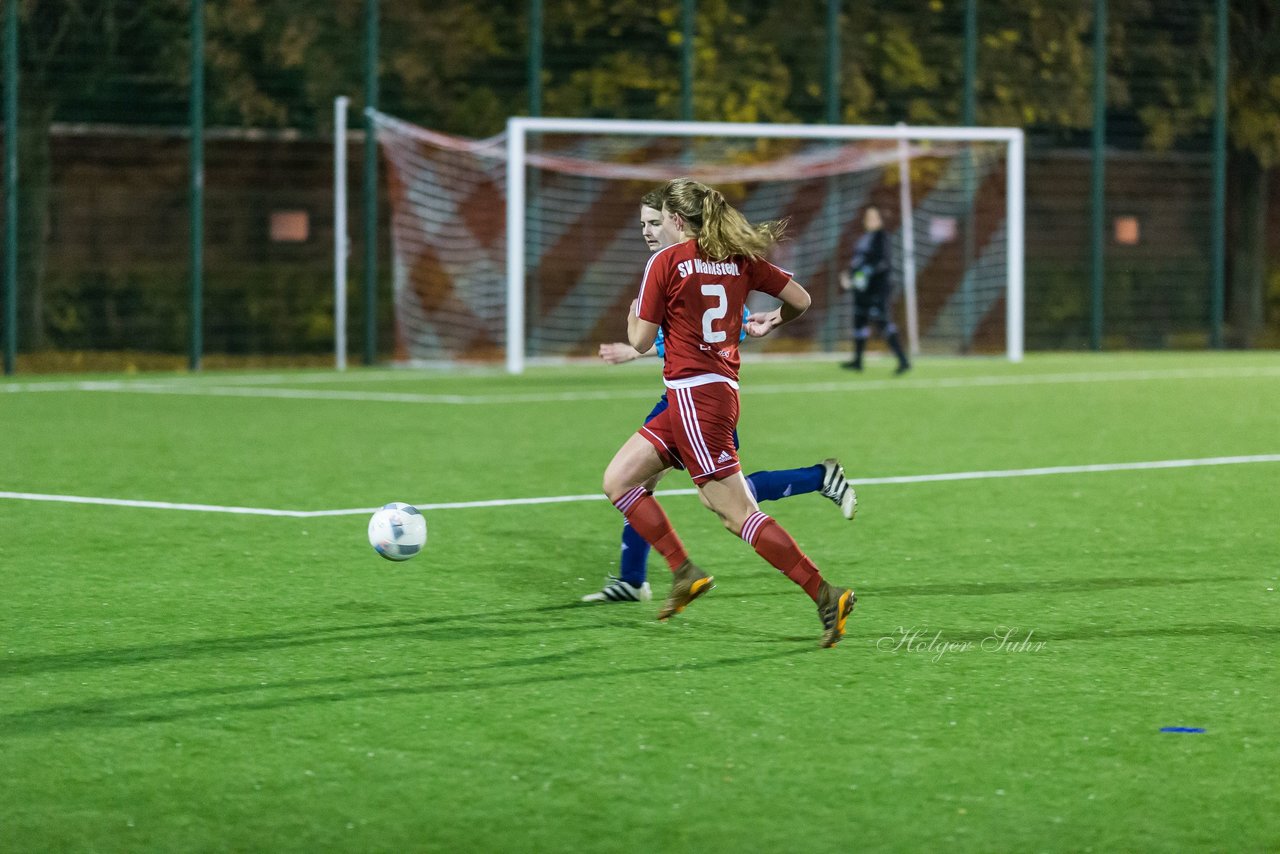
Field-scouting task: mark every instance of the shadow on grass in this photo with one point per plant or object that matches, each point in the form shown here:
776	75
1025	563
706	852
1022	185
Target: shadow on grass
871	591
507	623
486	624
1198	631
499	623
1067	585
140	709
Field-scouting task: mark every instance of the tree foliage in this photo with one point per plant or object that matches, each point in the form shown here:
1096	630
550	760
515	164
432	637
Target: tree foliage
86	60
463	67
1255	85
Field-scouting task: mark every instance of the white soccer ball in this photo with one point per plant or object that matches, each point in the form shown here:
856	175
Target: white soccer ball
397	531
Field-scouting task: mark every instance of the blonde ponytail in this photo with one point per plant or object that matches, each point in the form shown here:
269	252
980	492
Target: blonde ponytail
720	229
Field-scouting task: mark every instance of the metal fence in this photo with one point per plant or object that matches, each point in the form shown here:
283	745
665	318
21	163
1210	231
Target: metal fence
169	164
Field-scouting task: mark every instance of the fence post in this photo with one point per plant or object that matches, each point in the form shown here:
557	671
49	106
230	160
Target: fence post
689	12
197	185
833	200
970	63
1219	217
970	118
535	57
1098	203
833	62
10	185
370	183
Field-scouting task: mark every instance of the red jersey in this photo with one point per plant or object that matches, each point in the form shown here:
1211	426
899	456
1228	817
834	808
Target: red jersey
698	303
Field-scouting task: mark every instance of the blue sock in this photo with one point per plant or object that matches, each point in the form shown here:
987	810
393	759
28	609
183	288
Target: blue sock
635	556
772	485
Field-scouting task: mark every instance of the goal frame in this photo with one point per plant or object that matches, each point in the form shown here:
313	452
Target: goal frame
518	128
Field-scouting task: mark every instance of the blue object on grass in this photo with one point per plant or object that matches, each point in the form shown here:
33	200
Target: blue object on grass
1181	729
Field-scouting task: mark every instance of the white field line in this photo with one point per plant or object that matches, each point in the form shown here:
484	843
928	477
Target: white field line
248	379
198	389
561	499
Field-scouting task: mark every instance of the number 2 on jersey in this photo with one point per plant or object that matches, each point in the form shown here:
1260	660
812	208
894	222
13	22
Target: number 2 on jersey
716	312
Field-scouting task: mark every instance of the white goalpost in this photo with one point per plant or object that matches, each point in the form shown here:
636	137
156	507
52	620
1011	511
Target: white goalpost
527	245
341	243
908	248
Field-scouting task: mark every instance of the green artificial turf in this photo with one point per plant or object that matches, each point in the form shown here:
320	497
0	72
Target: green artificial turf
186	680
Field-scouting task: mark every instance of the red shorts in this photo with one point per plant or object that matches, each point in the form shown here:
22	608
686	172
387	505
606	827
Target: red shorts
696	431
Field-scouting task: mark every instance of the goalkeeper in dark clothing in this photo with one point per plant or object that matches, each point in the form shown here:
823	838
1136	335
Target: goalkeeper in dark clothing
868	278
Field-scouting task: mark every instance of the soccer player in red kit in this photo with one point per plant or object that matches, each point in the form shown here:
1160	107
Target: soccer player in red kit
694	291
826	478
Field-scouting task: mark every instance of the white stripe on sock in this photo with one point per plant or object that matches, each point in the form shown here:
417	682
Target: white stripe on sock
751	527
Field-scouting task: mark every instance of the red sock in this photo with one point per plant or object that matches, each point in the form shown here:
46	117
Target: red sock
646	516
775	545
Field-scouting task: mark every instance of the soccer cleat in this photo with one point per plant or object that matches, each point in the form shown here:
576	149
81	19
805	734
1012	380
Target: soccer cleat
854	365
839	490
618	590
902	368
687	583
834	606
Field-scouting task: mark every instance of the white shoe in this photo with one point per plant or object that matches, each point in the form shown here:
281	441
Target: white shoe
618	590
835	487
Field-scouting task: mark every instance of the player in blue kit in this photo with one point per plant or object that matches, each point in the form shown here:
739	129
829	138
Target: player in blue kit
826	477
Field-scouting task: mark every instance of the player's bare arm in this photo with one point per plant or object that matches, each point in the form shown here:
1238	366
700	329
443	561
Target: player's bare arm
795	302
617	352
640	333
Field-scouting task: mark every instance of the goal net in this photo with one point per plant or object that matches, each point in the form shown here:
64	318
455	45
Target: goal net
527	245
